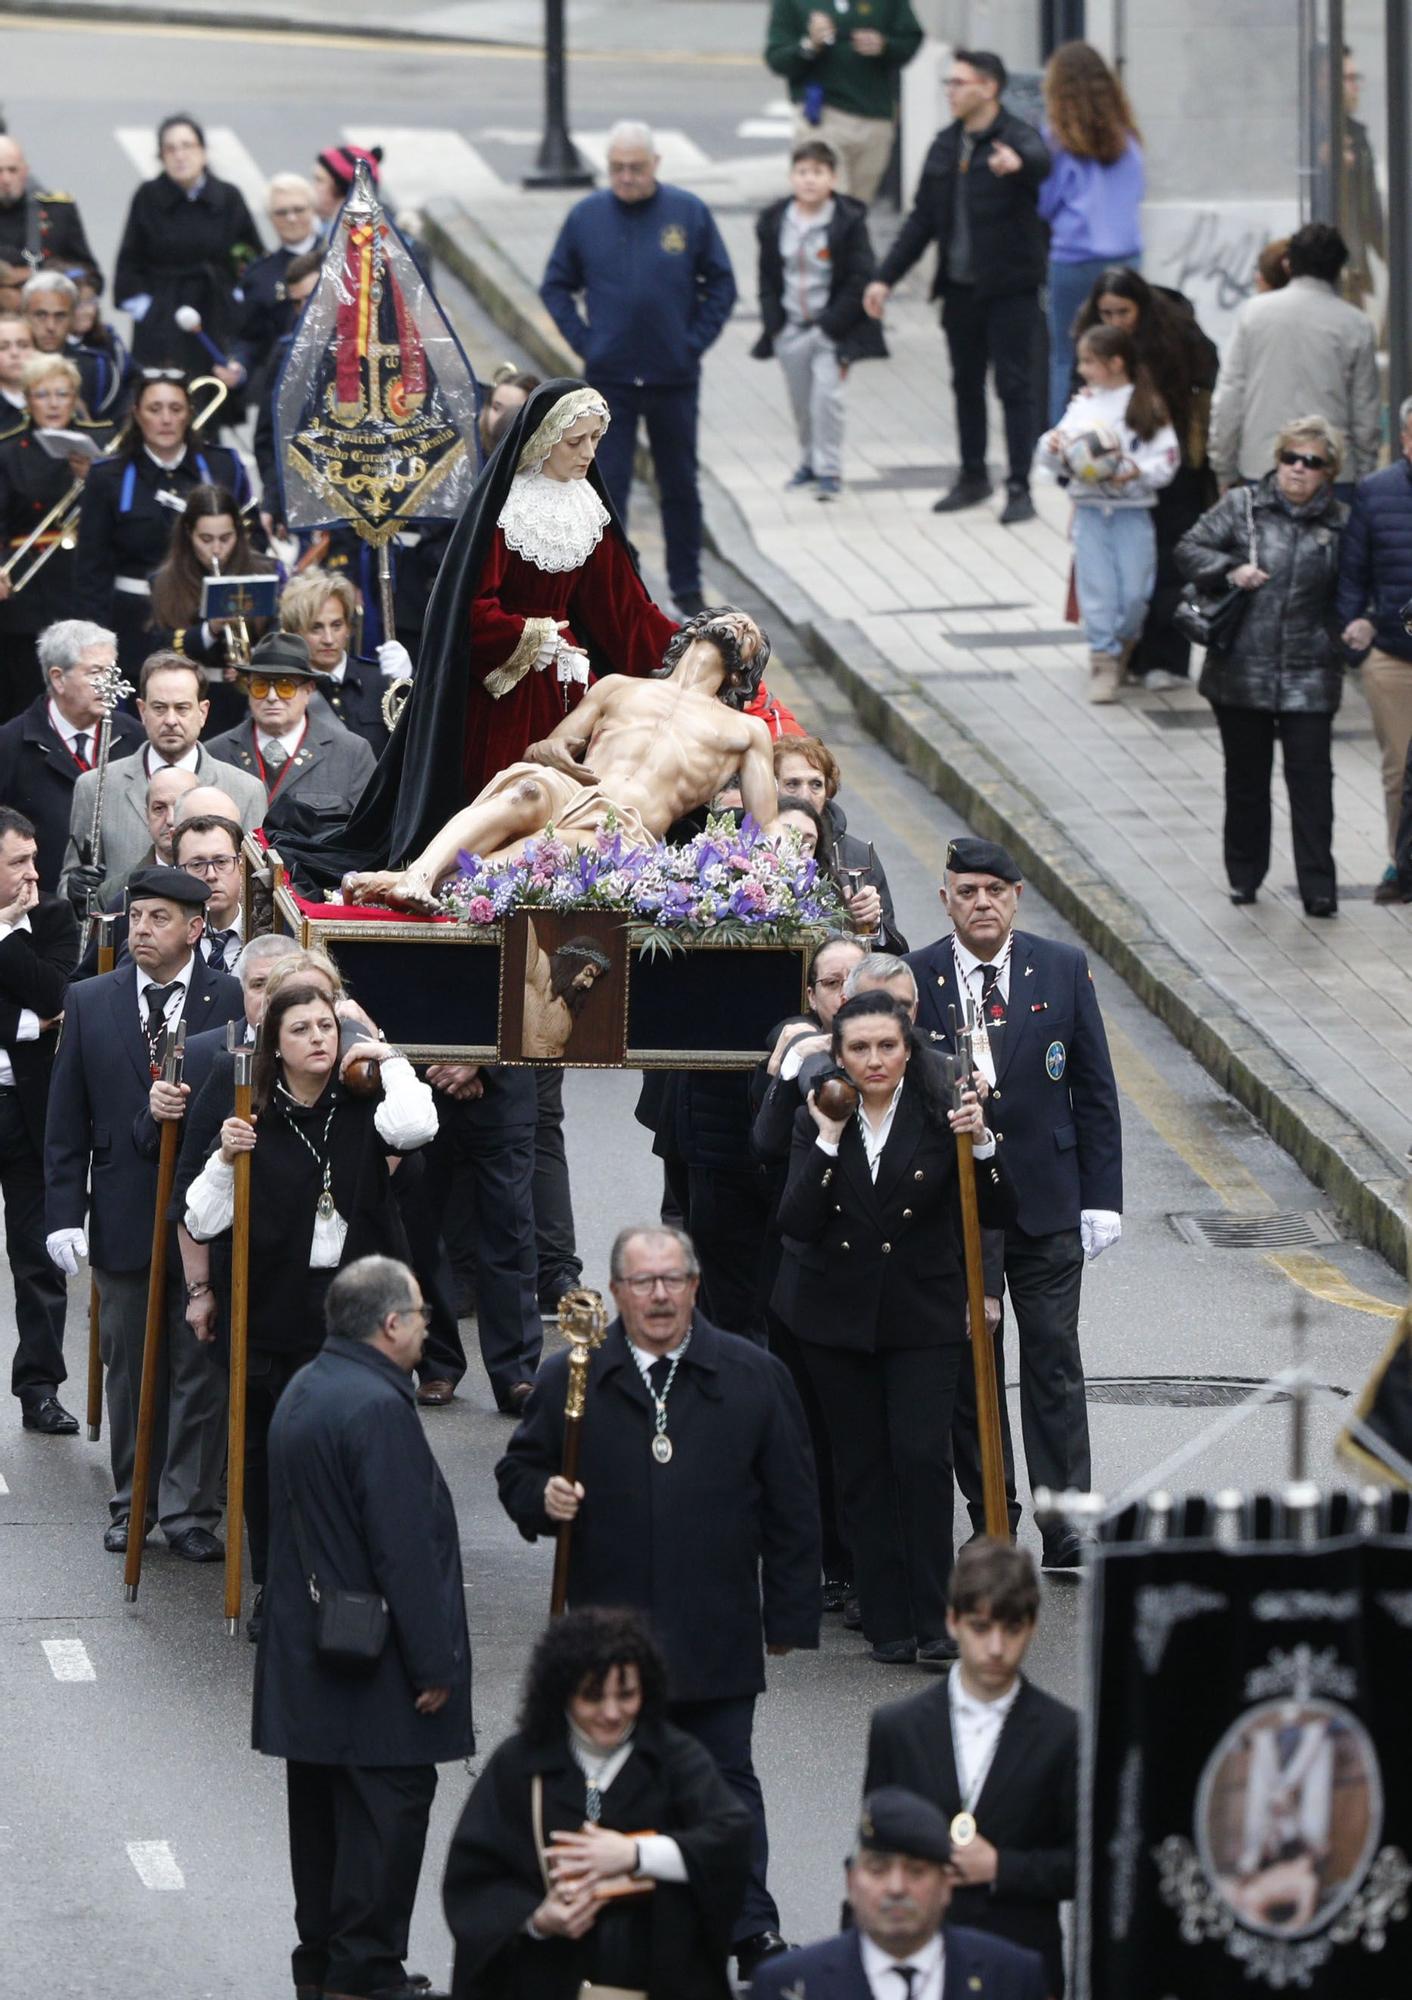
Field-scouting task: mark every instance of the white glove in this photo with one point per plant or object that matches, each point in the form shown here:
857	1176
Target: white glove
394	661
1098	1228
139	305
573	666
65	1247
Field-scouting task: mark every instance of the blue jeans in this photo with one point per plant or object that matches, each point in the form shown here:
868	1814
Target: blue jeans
1069	286
1115	566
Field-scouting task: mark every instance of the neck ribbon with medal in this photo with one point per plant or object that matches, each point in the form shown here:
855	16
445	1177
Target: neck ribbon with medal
322	1158
661	1443
990	1014
963	1827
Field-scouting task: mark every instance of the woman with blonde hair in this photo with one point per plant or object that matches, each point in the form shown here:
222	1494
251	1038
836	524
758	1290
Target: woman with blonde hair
1092	197
323	608
1281	673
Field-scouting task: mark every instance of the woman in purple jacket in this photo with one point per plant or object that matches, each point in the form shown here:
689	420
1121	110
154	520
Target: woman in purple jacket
1092	197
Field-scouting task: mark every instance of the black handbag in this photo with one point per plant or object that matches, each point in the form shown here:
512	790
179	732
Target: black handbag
350	1626
1213	622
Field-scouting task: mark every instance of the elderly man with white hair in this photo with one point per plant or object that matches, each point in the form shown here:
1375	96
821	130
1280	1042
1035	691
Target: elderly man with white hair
35	227
289	203
654	280
49	302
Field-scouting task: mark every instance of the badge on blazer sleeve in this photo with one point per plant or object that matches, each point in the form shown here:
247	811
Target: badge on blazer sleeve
1054	1061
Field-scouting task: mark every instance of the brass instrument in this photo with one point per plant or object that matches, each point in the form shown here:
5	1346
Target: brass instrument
394	699
235	638
66	510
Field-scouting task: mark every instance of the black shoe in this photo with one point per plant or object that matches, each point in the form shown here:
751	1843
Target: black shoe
937	1653
895	1653
836	1593
197	1546
752	1951
1064	1552
515	1399
969	491
852	1615
115	1538
1240	896
691	602
49	1416
1389	890
257	1617
1316	906
1019	507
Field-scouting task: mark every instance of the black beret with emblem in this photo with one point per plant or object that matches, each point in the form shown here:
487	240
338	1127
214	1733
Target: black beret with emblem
896	1821
172	885
969	856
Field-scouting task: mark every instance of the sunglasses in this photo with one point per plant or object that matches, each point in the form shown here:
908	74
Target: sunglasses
1310	460
284	685
163	375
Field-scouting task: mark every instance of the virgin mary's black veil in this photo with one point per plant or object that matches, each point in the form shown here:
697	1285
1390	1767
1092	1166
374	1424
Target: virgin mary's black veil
418	783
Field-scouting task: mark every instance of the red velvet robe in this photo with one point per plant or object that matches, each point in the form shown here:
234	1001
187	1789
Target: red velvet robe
606	606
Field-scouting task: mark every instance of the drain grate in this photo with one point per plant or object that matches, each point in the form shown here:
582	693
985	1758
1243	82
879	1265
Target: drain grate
1182	1392
1294	1231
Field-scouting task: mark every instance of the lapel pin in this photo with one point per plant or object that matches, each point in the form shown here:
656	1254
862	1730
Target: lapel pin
1029	972
1039	1007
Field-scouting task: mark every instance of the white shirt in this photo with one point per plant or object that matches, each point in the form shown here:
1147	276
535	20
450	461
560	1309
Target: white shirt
646	1360
311	242
175	1000
658	1854
20	402
975	1732
27	1028
969	970
236	924
880	1971
876	1137
337	673
290	740
166	464
189	760
70	731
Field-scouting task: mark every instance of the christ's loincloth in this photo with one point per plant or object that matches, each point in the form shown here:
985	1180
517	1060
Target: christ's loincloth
578	812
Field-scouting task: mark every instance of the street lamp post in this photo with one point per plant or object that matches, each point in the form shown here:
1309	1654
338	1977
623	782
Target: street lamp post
559	164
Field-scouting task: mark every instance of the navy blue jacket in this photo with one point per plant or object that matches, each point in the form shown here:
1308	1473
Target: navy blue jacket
99	1090
374	1514
1375	557
38	775
833	1970
1055	1105
656	282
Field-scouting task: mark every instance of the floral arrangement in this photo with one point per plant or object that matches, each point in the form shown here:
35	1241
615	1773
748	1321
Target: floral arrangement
730	883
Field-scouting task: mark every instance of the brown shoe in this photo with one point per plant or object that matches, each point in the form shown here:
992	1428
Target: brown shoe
433	1395
1389	890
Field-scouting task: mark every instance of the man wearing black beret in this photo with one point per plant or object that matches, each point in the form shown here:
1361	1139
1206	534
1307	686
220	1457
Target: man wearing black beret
115	1028
1054	1105
899	1885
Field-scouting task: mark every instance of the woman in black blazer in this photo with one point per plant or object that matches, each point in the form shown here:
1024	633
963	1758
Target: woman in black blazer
873	1286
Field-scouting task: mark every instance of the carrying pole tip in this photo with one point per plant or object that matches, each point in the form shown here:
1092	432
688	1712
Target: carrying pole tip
232	1628
129	1593
94	1434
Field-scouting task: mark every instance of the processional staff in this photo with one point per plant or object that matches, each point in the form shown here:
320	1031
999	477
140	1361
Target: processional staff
104	921
244	1058
169	1069
584	1318
961	1069
111	688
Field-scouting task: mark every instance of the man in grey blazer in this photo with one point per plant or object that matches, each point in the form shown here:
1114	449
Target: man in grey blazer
172	708
290	749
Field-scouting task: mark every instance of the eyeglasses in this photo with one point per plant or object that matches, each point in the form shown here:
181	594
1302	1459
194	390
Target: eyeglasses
209	864
1310	460
674	1282
423	1312
288	214
284	685
162	374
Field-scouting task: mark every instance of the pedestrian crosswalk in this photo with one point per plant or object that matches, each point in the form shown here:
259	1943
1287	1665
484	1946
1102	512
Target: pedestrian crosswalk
229	157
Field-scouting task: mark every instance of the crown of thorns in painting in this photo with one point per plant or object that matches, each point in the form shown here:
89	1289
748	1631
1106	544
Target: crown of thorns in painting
376	408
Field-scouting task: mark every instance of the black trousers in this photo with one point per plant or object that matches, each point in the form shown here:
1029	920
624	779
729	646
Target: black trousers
560	1267
1306	746
443	1357
837	1556
998	334
890	1416
724	1729
966	1438
41	1296
1044	1276
497	1161
670	415
730	1215
356	1837
269	1375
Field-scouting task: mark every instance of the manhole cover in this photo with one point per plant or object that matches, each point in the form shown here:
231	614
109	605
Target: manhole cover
1257	1232
1182	1392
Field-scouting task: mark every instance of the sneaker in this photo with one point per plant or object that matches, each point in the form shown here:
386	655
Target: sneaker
1018	507
969	491
803	475
829	487
1103	674
1159	681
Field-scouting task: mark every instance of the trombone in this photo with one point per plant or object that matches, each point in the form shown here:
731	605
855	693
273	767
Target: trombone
46	537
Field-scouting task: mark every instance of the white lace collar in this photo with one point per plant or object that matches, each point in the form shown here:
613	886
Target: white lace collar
556	524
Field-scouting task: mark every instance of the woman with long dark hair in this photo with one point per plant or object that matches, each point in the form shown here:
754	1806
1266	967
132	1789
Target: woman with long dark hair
1183	364
209	539
873	1286
552	1889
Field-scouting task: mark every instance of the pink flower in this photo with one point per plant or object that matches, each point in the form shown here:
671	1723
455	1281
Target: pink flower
480	910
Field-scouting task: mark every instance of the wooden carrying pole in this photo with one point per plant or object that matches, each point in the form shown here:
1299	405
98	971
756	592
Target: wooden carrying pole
104	921
584	1319
239	1341
154	1339
997	1513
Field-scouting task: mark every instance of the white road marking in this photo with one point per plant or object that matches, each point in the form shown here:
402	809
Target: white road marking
679	154
155	1863
3	1487
765	128
226	152
68	1660
420	161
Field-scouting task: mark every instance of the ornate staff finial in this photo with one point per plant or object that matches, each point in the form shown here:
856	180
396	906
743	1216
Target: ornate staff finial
111	687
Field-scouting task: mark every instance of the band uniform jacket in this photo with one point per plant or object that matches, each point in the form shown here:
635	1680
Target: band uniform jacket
34	971
125	529
31	486
356	700
720	1546
1027	1808
870	1265
102	1079
1055	1104
976	1968
494	1882
126	841
44	228
330	767
374	1514
38	777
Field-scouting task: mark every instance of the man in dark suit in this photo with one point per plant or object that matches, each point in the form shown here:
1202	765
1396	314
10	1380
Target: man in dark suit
1054	1102
697	1498
996	1756
900	1885
114	1029
357	1499
38	947
295	750
45	748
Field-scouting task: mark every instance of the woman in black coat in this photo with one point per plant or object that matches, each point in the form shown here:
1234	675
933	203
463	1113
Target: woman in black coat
600	1846
873	1286
187	242
1282	674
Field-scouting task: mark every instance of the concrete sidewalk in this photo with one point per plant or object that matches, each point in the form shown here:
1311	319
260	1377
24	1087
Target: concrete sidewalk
948	632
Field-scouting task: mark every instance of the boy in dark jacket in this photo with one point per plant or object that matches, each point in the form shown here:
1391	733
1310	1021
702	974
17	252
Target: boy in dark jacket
815	260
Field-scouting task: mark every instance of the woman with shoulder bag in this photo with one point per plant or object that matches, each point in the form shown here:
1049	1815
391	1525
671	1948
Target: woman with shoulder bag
1277	669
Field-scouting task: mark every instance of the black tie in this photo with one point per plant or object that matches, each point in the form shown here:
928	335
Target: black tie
81	748
908	1974
992	999
221	950
157	998
658	1373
